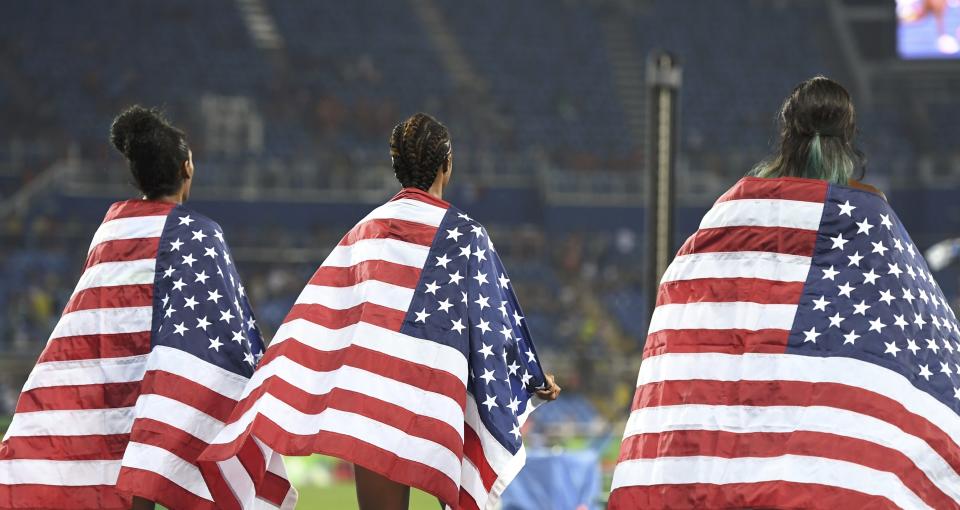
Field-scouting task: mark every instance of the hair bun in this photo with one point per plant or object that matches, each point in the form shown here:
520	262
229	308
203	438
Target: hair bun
134	124
155	150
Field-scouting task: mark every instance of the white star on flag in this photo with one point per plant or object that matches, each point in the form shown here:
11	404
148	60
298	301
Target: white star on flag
486	350
912	346
838	242
900	321
820	304
829	274
836	320
481	278
885	221
811	335
891	348
877	325
886	296
484	326
878	247
895	270
918	320
846	208
908	295
490	402
444	305
845	289
517	318
850	338
488	375
483	302
861	308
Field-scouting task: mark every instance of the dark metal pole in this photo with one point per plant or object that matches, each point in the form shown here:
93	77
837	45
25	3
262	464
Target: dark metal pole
663	79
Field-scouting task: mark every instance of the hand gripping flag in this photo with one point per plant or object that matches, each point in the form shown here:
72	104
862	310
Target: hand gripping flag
800	356
153	349
407	353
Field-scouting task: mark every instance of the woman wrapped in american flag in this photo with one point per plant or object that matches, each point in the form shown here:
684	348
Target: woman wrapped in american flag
801	354
407	354
149	357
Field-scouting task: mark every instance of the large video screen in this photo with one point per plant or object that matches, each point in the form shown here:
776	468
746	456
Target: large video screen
928	29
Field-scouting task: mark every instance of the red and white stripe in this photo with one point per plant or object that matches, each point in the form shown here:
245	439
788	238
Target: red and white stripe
68	438
103	416
722	417
340	379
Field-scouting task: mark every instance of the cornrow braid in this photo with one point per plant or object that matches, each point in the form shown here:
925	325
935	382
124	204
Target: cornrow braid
419	147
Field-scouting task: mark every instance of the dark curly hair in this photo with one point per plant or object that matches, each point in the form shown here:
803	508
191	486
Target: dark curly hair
154	149
419	147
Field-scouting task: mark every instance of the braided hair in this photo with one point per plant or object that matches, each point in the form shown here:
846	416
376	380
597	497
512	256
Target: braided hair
420	148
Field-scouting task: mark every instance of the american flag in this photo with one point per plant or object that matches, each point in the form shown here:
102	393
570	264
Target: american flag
140	373
407	353
801	355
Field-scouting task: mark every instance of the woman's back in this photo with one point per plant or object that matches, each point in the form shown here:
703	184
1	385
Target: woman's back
152	350
801	355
